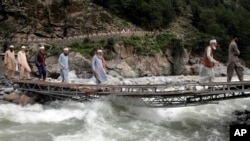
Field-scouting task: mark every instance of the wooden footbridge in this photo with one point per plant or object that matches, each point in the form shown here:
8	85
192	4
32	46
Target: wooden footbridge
162	95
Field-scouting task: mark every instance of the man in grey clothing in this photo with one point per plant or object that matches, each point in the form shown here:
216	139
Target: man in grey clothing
99	67
64	65
233	60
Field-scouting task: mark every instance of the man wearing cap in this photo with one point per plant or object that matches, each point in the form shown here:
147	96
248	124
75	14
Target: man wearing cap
64	65
10	62
23	63
40	63
233	60
207	69
99	67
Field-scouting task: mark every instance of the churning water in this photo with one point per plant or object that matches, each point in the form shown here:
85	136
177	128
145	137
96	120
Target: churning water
105	121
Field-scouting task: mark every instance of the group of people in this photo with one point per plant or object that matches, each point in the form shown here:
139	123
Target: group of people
98	65
10	63
208	62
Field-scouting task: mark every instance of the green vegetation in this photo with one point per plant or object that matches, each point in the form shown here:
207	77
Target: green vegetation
218	19
143	45
86	48
150	14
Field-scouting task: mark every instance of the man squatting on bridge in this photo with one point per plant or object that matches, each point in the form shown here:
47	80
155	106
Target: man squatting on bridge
40	63
233	60
10	62
64	65
99	67
207	68
23	64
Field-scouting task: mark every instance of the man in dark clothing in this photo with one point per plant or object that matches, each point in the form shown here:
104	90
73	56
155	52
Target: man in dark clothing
40	63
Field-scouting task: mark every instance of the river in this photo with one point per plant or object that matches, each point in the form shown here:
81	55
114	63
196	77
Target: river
105	121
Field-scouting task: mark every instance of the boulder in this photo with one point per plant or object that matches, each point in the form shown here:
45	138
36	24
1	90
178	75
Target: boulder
126	70
24	100
220	70
52	66
113	73
11	97
80	64
122	51
120	67
195	69
194	60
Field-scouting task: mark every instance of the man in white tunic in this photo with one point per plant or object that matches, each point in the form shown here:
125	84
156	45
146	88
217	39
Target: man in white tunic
207	68
23	63
10	62
99	67
64	65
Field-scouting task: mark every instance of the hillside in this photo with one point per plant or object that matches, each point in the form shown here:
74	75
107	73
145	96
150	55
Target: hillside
218	19
55	19
189	23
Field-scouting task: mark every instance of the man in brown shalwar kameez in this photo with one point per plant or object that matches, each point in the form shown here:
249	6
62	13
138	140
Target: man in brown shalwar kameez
23	64
233	60
10	62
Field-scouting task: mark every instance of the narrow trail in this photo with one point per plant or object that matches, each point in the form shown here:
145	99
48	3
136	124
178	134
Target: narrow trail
80	38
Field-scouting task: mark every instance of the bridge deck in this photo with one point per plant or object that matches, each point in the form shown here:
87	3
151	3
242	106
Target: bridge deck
161	95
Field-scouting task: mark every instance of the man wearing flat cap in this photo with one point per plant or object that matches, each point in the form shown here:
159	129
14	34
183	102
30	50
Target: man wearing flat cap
99	67
40	63
233	60
208	62
10	63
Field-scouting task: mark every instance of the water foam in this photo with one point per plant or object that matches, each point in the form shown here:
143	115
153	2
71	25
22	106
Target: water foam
39	114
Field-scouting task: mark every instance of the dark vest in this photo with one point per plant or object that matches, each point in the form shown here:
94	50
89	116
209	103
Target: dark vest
205	61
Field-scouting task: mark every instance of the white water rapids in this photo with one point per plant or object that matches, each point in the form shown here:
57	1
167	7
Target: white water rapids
105	121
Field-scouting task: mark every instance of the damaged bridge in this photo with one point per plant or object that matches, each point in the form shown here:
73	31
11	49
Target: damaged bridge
156	96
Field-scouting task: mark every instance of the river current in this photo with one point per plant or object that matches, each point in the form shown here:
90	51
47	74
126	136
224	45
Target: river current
102	120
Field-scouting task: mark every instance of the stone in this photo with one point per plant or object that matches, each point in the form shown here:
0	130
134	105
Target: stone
122	51
195	60
248	122
24	100
126	70
238	112
80	64
52	66
195	69
220	70
8	90
11	97
113	73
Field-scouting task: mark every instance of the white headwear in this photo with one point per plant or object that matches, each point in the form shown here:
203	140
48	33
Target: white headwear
11	46
99	50
66	49
42	47
213	41
23	46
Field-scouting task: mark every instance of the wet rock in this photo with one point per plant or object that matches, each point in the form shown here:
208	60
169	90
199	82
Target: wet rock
11	97
220	70
242	117
8	90
113	73
24	100
238	112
